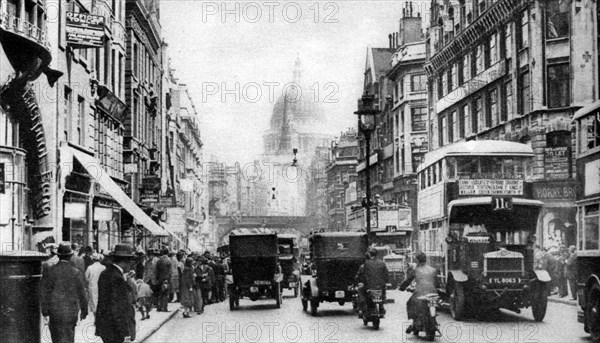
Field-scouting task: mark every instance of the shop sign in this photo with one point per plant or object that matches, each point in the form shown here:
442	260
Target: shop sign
103	213
150	190
2	178
490	187
556	162
561	190
75	210
84	30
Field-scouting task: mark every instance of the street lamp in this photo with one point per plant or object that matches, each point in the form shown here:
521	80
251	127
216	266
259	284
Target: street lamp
366	125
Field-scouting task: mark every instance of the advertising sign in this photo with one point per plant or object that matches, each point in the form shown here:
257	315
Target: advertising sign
556	162
490	187
84	30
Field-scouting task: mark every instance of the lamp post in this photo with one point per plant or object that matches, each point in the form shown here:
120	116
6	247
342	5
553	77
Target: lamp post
366	125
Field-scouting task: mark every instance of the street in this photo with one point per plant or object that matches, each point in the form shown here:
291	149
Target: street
260	321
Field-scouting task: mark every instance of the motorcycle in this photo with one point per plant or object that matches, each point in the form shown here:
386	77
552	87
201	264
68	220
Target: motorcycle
425	320
373	309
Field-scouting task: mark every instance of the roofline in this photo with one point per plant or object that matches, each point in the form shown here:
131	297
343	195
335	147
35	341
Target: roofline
586	109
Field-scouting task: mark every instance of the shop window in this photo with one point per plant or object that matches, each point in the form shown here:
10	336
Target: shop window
589	133
558	85
557	19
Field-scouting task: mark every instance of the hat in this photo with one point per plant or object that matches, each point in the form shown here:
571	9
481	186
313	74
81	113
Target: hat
64	249
122	250
96	257
373	252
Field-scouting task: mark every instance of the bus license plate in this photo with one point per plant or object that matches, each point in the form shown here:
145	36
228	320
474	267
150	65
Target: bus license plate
253	289
504	280
340	294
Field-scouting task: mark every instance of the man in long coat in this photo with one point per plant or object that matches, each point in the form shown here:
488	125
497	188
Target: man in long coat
163	277
115	315
62	296
92	274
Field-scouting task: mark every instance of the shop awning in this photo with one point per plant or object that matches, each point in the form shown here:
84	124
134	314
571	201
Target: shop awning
174	235
95	170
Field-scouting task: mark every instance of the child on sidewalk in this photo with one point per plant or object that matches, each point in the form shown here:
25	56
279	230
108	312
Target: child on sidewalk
144	298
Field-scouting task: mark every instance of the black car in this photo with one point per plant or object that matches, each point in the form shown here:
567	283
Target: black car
288	259
255	270
336	257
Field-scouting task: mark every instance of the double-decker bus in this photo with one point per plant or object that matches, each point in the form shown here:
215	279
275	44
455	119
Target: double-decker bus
587	122
477	224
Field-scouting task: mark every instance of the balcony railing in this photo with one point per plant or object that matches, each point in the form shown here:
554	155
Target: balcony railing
498	14
24	28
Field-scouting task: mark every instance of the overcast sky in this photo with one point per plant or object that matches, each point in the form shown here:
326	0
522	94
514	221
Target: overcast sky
254	46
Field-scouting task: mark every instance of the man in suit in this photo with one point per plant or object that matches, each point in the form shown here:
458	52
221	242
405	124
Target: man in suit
163	279
62	296
115	314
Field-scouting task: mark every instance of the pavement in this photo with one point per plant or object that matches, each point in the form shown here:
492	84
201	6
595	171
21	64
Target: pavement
567	300
84	331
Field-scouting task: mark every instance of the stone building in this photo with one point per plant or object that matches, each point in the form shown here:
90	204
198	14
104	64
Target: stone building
341	173
409	109
516	70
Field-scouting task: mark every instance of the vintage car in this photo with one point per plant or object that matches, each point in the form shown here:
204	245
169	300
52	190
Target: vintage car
336	257
288	259
254	271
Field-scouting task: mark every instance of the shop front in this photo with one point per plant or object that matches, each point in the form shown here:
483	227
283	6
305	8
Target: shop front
557	223
94	215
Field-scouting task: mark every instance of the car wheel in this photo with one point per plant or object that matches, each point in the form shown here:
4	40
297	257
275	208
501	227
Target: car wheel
593	313
540	303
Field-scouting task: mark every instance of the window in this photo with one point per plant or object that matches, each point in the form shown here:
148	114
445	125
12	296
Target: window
508	106
479	59
491	118
493	49
557	19
451	73
589	133
477	112
558	85
590	220
440	87
461	122
81	121
419	118
524	93
474	63
466	65
418	83
135	60
507	39
445	80
487	53
113	68
443	125
467	122
460	72
452	126
523	31
68	101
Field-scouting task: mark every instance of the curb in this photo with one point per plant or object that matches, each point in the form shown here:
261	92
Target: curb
563	301
157	327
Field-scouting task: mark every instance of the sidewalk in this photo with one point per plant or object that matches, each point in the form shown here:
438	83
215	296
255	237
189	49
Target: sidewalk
84	331
565	300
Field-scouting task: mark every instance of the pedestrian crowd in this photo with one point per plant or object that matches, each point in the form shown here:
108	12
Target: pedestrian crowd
77	282
561	264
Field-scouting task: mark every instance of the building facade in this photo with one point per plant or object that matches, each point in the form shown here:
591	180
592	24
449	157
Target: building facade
516	70
341	173
409	108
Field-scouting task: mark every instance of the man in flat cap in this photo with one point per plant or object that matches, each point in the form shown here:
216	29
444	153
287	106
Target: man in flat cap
62	296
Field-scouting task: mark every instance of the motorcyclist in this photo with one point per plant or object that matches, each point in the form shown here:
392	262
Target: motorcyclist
426	281
373	274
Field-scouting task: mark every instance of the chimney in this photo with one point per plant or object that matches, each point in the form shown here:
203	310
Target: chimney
390	40
404	12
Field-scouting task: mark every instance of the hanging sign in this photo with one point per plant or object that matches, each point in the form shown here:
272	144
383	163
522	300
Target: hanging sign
84	30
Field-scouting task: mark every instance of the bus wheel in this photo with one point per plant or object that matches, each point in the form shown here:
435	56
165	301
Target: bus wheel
457	302
540	303
593	314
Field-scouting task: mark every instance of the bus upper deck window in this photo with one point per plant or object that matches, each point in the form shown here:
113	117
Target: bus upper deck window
451	168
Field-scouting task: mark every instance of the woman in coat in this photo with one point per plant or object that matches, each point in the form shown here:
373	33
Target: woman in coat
91	276
186	288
